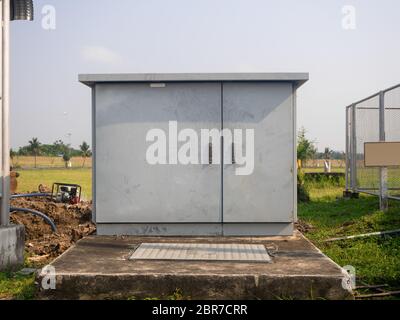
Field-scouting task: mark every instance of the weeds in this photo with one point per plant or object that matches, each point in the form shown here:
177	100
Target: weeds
376	259
16	286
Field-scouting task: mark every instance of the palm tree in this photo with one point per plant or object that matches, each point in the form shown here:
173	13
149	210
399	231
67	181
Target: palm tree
328	153
12	155
34	147
67	157
327	160
85	152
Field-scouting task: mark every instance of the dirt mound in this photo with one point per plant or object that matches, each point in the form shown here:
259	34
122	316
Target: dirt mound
72	221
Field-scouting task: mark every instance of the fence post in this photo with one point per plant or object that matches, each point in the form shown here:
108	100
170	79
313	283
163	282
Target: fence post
347	150
353	145
383	188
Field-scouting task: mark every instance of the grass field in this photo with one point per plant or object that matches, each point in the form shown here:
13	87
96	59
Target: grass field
29	180
376	259
16	286
28	162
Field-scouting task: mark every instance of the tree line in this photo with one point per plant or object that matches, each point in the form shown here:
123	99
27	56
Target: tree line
306	149
58	149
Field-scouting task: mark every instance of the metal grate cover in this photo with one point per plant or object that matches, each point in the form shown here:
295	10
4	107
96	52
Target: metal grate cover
201	251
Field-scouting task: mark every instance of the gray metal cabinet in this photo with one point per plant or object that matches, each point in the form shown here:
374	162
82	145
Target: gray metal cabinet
133	196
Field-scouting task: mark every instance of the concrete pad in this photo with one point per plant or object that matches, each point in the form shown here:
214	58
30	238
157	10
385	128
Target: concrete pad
99	267
12	245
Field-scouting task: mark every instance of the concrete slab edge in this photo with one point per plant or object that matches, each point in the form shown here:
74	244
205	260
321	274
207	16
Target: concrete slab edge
208	287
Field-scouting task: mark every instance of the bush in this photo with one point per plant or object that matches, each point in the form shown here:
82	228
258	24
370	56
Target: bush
323	180
302	190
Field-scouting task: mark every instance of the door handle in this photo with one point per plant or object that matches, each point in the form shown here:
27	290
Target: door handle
233	153
210	155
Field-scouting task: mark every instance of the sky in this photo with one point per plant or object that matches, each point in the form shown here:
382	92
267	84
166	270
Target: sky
348	54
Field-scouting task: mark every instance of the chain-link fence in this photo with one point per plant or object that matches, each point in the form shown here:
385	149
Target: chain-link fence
373	119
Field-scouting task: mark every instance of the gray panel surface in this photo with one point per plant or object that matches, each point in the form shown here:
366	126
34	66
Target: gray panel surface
202	251
191	229
128	188
267	194
257	229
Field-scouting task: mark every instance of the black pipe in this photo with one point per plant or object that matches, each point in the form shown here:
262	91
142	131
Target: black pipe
36	213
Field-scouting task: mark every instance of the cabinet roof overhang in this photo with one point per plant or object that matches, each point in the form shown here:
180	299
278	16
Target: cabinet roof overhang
90	79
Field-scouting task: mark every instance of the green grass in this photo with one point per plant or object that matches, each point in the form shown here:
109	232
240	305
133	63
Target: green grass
320	169
28	162
376	259
15	286
29	180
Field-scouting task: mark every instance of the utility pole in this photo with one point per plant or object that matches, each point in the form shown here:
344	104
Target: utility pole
11	236
5	107
10	10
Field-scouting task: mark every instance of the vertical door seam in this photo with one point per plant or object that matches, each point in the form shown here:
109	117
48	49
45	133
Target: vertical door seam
222	159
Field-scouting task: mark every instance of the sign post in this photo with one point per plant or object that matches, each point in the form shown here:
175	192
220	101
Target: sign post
383	193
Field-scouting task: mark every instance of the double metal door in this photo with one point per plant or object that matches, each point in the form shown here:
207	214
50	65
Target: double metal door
129	189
